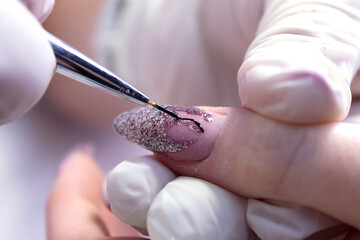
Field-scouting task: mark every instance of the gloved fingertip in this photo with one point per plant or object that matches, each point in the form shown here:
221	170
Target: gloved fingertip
292	91
193	209
132	185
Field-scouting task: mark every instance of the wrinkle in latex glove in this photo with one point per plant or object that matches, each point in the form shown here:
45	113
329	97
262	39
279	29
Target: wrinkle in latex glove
189	208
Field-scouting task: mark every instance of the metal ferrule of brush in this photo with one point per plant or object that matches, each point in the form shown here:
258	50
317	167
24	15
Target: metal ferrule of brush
75	65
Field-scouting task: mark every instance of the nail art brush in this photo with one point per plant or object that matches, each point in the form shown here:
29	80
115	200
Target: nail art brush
75	65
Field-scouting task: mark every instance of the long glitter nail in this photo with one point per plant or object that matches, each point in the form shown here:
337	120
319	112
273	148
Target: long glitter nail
147	127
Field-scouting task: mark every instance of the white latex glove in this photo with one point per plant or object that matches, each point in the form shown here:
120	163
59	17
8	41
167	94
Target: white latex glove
27	61
147	195
300	65
297	58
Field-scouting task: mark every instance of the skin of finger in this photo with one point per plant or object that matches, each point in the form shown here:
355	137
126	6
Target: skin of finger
74	206
27	61
203	211
311	165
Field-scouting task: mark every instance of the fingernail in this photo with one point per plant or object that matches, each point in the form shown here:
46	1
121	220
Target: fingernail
163	134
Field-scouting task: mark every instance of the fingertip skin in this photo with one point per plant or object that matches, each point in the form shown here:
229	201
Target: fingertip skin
27	62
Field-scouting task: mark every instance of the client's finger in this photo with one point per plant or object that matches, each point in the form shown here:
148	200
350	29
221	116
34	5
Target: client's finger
74	208
254	156
193	209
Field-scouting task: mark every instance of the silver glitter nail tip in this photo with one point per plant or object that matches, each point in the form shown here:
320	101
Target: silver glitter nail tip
146	126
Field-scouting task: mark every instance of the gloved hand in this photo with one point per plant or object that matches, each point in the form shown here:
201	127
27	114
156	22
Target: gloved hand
146	194
297	59
27	61
275	161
